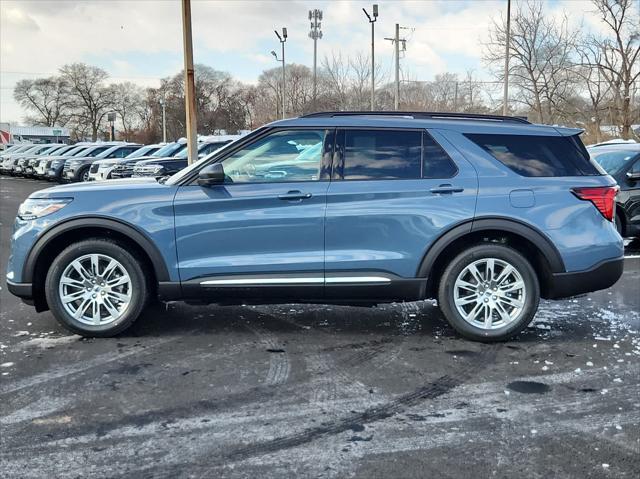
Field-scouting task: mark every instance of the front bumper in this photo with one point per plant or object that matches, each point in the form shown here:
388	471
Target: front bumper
602	276
21	290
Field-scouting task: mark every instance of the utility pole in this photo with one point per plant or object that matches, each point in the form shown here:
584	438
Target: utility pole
505	99
189	84
283	40
164	119
315	34
396	41
373	54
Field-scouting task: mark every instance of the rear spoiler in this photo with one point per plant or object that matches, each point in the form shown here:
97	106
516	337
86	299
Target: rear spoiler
566	131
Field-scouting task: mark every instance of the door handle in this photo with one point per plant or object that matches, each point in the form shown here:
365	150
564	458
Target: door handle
446	189
294	195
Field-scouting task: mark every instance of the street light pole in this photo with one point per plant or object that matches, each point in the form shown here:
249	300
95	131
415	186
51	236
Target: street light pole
505	99
164	119
283	40
315	16
373	56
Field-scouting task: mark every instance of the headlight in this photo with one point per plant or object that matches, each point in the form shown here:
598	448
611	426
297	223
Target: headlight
34	208
156	169
55	163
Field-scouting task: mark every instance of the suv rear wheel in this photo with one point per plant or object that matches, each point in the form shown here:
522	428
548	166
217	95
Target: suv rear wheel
489	292
96	288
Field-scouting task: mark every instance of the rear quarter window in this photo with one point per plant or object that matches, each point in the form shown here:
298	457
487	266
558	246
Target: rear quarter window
538	156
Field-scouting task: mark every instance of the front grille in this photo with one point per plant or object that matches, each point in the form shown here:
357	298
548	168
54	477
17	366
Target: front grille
94	168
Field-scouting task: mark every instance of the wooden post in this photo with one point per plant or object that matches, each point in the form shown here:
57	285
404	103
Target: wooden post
189	84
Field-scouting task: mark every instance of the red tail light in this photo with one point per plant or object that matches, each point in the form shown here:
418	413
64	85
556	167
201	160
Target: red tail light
602	197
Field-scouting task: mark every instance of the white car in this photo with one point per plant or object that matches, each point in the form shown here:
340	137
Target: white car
101	169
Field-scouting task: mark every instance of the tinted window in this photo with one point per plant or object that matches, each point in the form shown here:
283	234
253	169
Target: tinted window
382	154
436	162
530	155
292	155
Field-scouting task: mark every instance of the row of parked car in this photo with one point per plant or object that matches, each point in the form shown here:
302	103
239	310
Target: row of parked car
89	161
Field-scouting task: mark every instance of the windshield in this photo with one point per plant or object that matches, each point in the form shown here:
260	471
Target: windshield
169	150
613	161
143	151
62	150
203	149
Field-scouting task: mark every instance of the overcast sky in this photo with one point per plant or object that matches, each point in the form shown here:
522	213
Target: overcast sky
141	40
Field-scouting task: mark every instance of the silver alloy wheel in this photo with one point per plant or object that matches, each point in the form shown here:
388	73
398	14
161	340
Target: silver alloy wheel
95	289
489	293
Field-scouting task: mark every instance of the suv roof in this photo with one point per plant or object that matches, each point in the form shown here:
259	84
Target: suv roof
422	115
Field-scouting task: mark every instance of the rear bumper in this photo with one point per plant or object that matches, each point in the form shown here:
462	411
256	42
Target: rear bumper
602	276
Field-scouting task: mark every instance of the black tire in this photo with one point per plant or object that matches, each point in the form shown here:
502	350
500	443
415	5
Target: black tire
82	175
619	224
139	287
446	292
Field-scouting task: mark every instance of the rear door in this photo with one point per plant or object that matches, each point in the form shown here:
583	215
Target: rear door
393	192
263	228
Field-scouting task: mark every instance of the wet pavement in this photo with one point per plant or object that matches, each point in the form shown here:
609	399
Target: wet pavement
321	391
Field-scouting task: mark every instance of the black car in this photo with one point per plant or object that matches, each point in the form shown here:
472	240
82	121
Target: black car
622	161
169	166
124	169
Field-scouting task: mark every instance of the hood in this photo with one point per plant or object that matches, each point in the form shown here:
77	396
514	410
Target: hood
83	159
133	161
161	161
112	187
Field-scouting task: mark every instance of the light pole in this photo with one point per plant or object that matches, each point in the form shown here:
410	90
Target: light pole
505	100
164	119
316	17
373	56
283	40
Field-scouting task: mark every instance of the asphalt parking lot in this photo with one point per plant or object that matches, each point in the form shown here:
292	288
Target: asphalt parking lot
320	391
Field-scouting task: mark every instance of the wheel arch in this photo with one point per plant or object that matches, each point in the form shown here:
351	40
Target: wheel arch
54	240
527	239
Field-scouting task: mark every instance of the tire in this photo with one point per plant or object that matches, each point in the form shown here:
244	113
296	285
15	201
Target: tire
83	175
619	225
500	316
117	307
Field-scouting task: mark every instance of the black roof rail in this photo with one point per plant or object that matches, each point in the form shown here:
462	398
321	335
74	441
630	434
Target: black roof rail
419	115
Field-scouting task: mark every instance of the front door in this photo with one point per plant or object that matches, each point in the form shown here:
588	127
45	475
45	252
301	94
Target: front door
263	228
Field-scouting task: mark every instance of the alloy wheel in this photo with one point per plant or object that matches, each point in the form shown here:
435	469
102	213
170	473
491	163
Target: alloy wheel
490	293
95	289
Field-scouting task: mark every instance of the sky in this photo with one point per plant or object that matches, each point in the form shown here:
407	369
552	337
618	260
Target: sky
141	40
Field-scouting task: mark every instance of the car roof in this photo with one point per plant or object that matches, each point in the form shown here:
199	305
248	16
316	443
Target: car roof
462	123
615	147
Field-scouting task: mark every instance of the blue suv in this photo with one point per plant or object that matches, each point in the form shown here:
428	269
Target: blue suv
487	214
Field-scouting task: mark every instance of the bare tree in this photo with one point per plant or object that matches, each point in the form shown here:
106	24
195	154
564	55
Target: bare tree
540	58
91	100
46	97
128	103
335	74
618	54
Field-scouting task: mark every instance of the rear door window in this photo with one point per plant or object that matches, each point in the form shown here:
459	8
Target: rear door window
382	154
543	156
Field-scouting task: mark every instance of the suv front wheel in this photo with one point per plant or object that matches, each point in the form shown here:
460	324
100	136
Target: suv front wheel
96	288
489	292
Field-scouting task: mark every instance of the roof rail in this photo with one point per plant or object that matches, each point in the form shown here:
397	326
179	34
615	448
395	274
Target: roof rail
419	115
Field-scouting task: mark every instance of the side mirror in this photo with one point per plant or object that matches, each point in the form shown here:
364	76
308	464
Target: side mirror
633	175
211	175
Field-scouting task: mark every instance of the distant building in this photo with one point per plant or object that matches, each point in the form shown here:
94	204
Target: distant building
10	133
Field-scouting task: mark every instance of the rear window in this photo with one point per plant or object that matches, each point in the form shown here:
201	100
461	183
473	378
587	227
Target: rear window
530	155
382	154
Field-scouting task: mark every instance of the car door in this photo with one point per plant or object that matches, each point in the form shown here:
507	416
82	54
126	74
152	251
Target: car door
393	192
262	230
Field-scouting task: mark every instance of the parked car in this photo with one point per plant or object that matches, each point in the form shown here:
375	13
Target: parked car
77	169
124	169
40	166
19	160
169	166
101	169
29	162
622	162
55	171
485	213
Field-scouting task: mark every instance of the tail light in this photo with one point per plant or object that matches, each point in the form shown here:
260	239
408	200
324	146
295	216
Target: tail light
602	197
